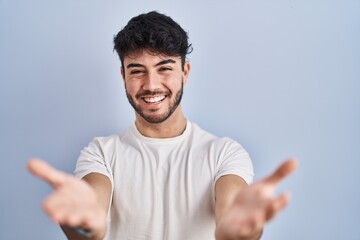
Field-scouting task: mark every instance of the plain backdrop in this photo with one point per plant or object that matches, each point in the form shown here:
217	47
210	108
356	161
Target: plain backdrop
281	77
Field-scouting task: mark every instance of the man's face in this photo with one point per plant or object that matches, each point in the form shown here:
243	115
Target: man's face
154	84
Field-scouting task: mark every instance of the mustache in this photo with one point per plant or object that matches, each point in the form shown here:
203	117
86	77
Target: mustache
151	93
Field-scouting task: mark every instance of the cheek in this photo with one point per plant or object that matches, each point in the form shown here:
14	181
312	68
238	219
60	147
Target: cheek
177	86
132	86
174	82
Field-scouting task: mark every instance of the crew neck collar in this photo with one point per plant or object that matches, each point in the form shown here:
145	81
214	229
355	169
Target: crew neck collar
151	140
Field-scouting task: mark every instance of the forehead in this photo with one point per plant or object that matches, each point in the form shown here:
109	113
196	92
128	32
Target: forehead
147	57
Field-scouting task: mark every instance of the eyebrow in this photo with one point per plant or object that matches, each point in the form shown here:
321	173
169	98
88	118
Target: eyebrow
131	65
166	61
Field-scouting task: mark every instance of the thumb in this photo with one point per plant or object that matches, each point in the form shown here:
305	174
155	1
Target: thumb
44	171
285	169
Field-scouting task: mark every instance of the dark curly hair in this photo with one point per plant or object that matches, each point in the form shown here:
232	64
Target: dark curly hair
154	32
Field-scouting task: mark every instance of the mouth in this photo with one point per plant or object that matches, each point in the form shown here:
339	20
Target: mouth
154	100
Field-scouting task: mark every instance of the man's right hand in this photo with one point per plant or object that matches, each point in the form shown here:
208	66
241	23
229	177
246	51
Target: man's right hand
73	203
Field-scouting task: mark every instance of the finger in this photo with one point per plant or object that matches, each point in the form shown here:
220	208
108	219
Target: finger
285	169
57	207
45	172
53	208
277	205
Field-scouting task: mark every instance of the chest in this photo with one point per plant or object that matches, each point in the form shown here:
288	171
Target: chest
175	180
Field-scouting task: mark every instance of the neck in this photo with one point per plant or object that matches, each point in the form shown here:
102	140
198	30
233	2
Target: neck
173	126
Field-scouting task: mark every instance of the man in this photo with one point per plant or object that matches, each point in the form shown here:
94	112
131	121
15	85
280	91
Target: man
165	177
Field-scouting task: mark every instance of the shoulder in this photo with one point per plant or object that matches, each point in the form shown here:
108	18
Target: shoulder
103	142
198	132
225	143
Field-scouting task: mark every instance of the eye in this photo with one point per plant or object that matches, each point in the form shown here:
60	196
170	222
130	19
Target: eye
164	69
135	72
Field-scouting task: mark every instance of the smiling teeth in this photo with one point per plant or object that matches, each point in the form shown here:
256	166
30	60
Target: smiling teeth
154	99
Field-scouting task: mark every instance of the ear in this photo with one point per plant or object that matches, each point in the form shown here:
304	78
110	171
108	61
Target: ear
186	72
122	72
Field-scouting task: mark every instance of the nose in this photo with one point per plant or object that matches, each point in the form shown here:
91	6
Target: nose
152	81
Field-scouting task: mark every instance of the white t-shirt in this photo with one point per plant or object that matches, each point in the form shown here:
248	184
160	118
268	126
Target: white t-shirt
163	188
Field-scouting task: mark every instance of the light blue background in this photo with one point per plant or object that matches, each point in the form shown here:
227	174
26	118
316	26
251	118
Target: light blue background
281	77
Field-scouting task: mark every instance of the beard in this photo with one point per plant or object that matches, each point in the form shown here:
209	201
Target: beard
156	118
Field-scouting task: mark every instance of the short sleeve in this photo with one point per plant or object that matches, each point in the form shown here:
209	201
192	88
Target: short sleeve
234	159
92	159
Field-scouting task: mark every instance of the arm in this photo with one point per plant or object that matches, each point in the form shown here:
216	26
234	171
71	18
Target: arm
242	211
75	203
226	189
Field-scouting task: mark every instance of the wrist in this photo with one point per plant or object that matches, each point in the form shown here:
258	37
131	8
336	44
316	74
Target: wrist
86	233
